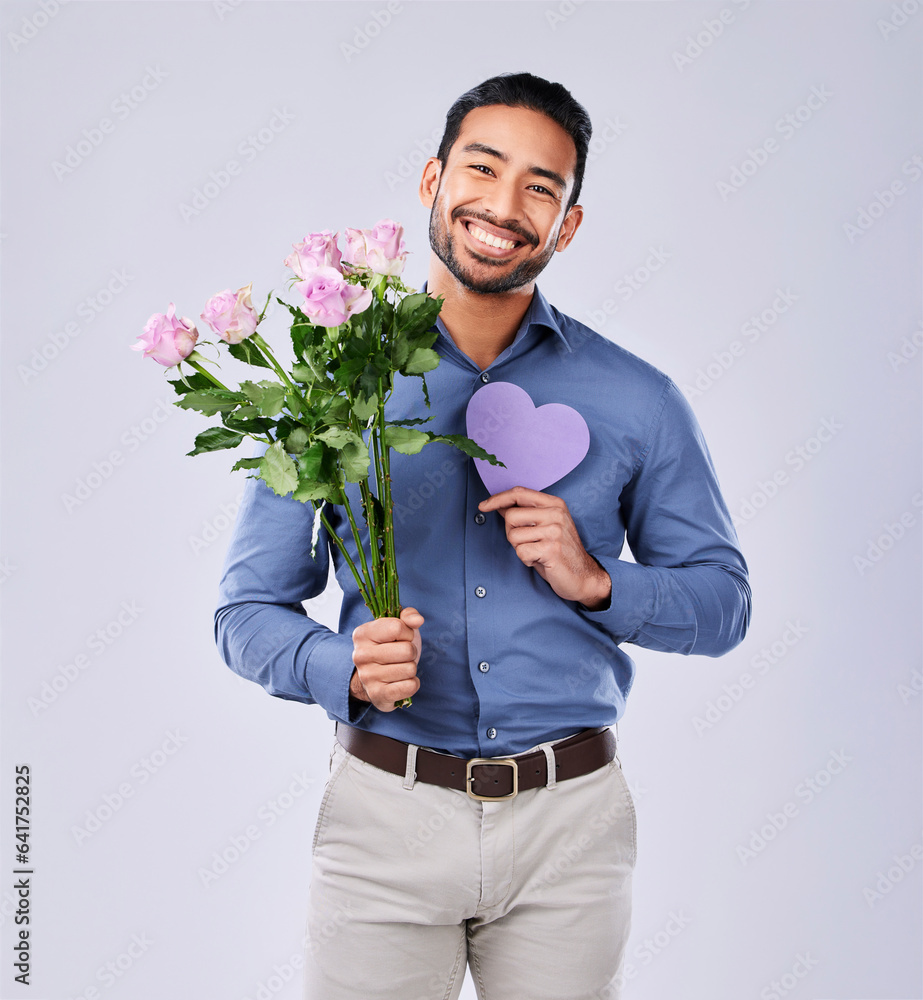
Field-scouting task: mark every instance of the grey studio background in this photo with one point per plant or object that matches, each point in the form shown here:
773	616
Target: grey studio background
752	228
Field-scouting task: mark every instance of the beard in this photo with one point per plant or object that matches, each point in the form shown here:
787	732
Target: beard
445	248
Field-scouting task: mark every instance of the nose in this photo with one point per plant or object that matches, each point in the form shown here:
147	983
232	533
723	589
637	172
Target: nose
504	202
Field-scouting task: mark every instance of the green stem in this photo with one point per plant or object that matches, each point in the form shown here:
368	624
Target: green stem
373	604
207	374
266	351
394	598
341	545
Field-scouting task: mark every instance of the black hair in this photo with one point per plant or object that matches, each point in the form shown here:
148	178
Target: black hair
523	90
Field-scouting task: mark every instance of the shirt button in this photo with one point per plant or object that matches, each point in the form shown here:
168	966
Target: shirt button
483	666
480	518
491	733
485	377
480	592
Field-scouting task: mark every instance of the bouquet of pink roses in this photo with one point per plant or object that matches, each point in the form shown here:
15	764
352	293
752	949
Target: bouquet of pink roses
323	420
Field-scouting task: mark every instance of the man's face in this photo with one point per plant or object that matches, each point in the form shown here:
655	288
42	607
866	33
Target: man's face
498	206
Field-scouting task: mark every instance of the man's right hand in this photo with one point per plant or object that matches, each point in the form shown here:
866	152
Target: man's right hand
386	652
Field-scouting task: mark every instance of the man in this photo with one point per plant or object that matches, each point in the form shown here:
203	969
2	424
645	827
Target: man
515	606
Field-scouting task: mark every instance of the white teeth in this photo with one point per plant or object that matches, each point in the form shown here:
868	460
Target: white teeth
491	241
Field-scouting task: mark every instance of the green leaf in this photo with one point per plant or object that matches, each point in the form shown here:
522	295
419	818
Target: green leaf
405	440
354	461
316	463
411	421
195	381
268	396
466	445
296	441
306	491
249	353
347	373
214	439
211	402
368	380
248	425
423	359
246	463
339	437
278	470
365	408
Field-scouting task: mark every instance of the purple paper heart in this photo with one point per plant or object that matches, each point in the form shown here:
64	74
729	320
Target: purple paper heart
538	445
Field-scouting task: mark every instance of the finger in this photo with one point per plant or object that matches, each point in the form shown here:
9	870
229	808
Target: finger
388	697
518	496
383	652
412	617
383	630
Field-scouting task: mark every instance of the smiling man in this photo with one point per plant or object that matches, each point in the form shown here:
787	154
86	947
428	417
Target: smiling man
490	822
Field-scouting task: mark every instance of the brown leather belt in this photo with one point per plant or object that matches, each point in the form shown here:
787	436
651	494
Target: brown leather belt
483	778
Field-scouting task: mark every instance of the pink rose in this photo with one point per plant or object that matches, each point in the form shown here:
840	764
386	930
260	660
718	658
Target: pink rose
329	299
231	314
380	249
316	250
167	339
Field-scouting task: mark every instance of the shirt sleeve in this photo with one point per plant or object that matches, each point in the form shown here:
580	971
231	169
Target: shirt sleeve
262	631
688	591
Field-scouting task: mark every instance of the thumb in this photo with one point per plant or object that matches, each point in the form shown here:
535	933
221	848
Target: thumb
411	617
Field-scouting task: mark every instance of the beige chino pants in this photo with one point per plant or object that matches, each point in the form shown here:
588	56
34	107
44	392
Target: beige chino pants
410	881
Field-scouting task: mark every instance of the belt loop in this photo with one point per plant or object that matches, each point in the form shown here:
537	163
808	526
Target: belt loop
411	772
550	764
617	746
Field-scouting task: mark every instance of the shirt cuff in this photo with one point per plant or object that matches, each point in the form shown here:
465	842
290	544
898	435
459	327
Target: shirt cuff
633	599
328	673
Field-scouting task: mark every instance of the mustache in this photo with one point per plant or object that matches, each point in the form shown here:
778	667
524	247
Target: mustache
511	225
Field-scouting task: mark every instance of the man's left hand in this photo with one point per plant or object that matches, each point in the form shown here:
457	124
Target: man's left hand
541	530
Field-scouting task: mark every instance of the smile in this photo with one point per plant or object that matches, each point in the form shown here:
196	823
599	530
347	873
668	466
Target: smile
489	240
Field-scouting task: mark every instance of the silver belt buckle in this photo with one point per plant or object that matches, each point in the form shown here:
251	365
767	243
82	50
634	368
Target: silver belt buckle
469	777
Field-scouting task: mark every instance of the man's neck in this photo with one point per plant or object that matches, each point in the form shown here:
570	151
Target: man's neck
482	325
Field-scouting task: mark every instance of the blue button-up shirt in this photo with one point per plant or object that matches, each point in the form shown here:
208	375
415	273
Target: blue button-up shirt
506	663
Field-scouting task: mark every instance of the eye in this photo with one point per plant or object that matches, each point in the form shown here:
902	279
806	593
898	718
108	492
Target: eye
481	167
542	190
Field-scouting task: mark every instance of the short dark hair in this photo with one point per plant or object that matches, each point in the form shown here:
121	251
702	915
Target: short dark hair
523	90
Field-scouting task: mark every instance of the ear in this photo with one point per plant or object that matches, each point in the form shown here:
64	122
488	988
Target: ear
429	182
569	226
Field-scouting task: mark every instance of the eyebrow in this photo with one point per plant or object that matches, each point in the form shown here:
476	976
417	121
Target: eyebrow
551	175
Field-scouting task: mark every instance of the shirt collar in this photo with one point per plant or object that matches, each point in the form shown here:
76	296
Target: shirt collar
539	314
